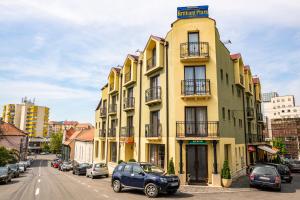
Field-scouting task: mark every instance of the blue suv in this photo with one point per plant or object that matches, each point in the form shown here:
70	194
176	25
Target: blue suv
144	176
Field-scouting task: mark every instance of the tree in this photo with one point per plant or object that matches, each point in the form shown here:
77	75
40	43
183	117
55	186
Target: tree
226	170
171	168
56	142
279	144
45	147
7	156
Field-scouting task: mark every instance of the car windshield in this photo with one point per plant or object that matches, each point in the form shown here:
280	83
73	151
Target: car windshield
13	166
152	169
3	169
265	171
84	165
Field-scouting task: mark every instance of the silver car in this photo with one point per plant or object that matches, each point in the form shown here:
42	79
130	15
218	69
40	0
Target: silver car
97	169
66	166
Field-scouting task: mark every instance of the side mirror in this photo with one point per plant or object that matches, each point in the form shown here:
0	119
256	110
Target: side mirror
142	173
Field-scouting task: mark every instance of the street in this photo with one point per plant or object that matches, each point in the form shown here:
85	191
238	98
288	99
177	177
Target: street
41	181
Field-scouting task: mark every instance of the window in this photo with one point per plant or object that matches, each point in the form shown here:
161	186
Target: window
154	56
232	89
157	154
128	168
289	99
137	169
282	100
289	110
223	113
97	149
229	114
283	106
194	80
234	121
221	71
274	113
103	150
227	79
240	123
193	47
154	123
194	118
238	92
282	111
113	152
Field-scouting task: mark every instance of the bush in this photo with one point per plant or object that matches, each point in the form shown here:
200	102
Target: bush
7	156
171	168
120	161
132	160
226	171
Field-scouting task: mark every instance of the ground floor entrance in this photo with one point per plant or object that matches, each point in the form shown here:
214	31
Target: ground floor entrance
196	164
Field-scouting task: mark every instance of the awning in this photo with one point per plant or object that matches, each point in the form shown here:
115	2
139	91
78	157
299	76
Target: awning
267	149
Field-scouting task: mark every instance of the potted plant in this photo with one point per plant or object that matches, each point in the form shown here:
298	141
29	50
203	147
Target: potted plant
171	168
226	176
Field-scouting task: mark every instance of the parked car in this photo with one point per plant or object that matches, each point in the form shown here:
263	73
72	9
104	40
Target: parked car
6	174
23	165
96	170
15	170
265	176
21	168
80	169
57	163
284	171
26	163
144	176
53	161
66	166
294	165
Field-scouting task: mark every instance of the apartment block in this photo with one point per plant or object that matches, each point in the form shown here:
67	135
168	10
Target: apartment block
185	97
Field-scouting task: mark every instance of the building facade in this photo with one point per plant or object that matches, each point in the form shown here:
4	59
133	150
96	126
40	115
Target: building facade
84	146
184	97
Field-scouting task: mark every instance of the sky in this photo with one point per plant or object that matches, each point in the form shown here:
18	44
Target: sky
60	51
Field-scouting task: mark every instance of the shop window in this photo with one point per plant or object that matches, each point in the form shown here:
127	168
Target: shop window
113	152
157	154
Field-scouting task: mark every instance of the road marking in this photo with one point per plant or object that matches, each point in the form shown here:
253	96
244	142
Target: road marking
106	196
96	190
39	180
89	186
37	191
83	183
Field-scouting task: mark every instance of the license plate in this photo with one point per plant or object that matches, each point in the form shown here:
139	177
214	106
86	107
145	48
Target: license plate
174	184
265	178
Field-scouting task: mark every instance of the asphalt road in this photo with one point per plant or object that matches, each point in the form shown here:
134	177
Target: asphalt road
46	183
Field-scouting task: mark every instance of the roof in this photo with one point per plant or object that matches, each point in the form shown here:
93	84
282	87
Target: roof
256	80
83	126
69	133
246	68
235	56
157	38
99	104
117	69
70	123
133	56
106	85
86	135
8	129
73	136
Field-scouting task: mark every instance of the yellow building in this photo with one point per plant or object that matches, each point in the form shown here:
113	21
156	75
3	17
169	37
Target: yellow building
28	117
184	97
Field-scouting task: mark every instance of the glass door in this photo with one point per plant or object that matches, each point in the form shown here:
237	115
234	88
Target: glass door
195	80
196	121
193	44
154	123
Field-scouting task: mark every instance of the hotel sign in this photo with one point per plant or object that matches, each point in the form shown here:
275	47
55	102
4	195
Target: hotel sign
201	142
192	12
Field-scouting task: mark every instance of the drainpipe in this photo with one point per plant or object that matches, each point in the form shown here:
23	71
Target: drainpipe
245	130
120	115
107	127
167	98
140	112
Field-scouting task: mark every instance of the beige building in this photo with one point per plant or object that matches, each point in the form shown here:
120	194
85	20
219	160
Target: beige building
184	97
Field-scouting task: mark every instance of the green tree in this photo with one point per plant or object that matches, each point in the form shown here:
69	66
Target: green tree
226	170
171	168
45	147
7	156
56	142
279	144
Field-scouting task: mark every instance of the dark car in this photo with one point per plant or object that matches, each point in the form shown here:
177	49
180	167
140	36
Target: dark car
144	176
294	165
265	177
15	170
80	169
6	174
284	171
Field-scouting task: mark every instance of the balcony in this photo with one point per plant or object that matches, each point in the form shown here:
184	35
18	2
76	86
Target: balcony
153	95
112	109
194	51
128	79
152	66
127	134
250	113
241	79
128	104
260	117
153	131
102	133
252	138
112	133
103	111
197	130
195	88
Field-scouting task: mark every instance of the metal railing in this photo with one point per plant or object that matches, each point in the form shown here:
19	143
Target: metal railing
194	49
112	108
259	117
250	112
197	129
153	94
195	87
127	132
252	138
128	103
112	132
151	63
103	111
153	130
127	76
102	133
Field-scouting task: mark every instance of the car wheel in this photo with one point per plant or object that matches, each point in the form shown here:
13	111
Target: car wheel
117	186
151	190
106	175
73	172
172	191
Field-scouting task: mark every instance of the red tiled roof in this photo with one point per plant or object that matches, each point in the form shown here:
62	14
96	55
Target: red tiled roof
246	67
256	80
73	136
133	56
117	69
83	126
69	133
70	123
11	130
235	56
86	135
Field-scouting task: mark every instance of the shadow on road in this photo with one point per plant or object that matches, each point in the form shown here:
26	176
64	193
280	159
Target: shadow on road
178	195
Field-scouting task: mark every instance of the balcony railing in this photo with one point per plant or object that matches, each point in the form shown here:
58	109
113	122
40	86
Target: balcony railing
127	76
111	87
112	132
197	129
112	108
259	117
153	94
194	49
195	87
151	63
102	133
127	132
252	138
152	130
128	103
241	79
250	112
103	111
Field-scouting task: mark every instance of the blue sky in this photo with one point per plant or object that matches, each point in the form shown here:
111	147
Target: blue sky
60	51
